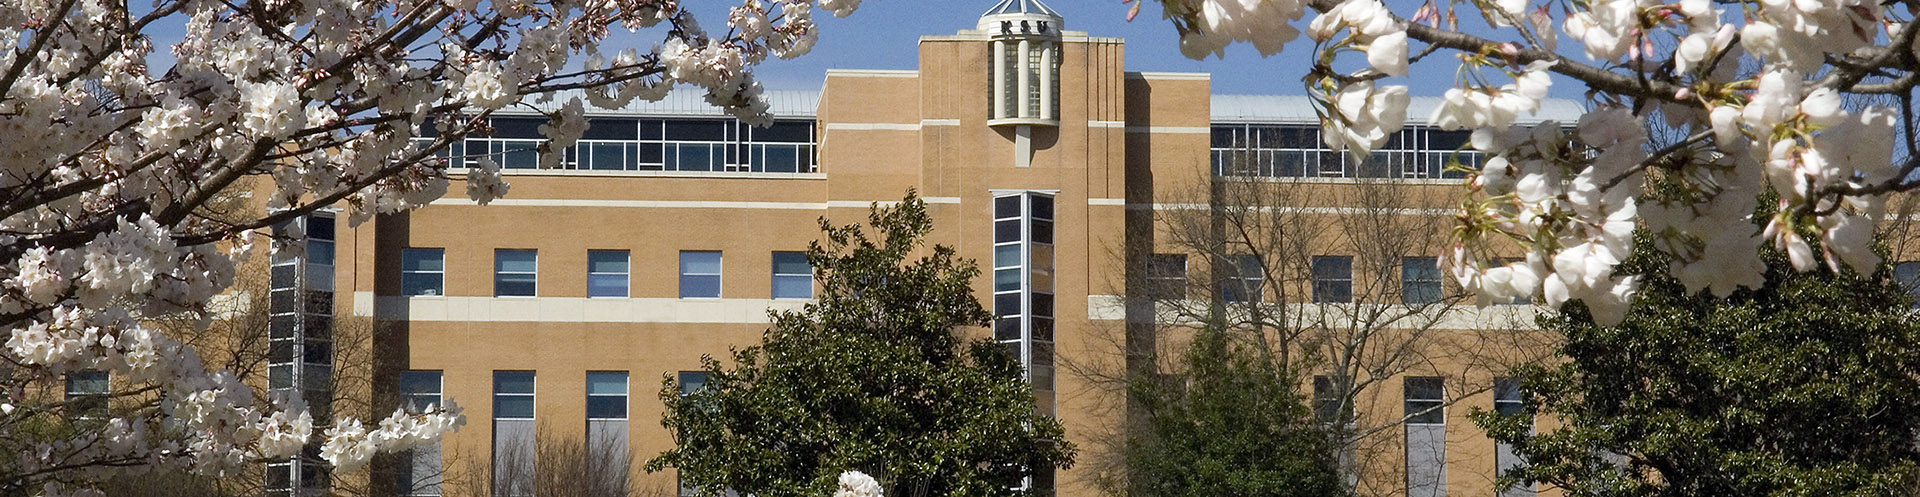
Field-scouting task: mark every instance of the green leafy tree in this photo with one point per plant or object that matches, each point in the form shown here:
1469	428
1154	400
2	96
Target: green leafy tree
1808	386
874	376
1233	424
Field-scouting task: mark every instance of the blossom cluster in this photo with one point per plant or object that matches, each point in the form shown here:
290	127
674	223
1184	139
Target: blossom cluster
857	484
1763	94
123	162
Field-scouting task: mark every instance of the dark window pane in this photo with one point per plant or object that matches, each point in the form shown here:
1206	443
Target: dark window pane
512	407
1043	304
1006	328
696	130
422	259
612	129
606	407
283	276
1042	207
513	382
513	285
281	325
1042	231
420	382
280	351
1005	207
281	301
280	376
1006	231
320	228
1043	329
785	131
319	353
320	327
517	127
320	302
1006	304
650	153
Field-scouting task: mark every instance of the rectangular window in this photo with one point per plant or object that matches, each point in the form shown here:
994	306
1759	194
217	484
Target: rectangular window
1419	280
1426	436
420	471
692	381
513	433
1166	276
87	392
606	395
1332	278
419	390
1326	400
512	395
1509	400
792	276
514	272
1244	276
607	273
699	274
1424	397
423	272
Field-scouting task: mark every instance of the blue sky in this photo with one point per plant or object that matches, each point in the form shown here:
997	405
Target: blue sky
883	34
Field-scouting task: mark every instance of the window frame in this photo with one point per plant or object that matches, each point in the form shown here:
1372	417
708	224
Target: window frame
1162	284
439	277
1328	283
1430	411
719	285
626	277
533	396
498	272
1408	282
774	291
626	395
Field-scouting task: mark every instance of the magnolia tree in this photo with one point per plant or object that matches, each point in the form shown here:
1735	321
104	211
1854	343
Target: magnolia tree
109	155
1769	96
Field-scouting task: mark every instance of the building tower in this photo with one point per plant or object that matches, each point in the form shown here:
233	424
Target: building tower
1025	72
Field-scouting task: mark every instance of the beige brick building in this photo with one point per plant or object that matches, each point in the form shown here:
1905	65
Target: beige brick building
670	231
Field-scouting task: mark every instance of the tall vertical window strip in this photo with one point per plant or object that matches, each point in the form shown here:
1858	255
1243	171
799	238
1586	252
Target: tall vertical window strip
1244	278
513	433
87	392
1509	400
607	273
515	272
420	473
1332	278
300	342
1166	276
792	276
1419	280
423	272
1426	436
699	274
1023	275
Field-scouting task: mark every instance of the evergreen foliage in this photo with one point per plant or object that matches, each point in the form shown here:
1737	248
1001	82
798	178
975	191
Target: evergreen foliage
874	376
1806	387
